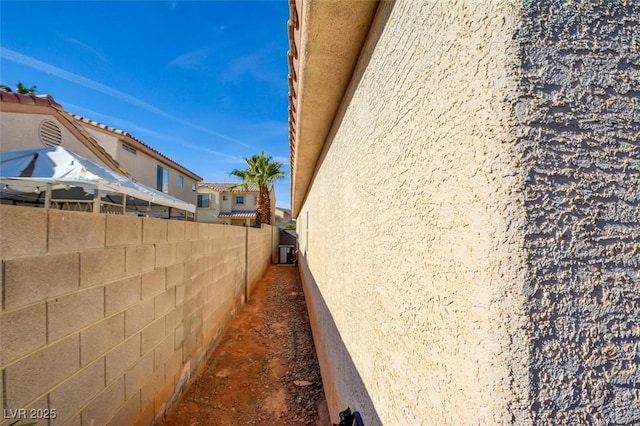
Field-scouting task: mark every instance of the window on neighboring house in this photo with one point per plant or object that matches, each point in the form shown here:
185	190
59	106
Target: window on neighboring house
225	198
203	201
129	149
162	179
181	181
240	199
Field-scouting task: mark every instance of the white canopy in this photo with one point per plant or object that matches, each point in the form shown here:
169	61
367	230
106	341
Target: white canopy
32	170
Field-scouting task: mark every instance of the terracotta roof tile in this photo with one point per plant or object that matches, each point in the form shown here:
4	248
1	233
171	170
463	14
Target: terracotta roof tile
19	98
226	187
129	135
239	214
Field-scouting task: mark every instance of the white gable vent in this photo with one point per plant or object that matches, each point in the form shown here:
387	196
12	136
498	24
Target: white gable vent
50	134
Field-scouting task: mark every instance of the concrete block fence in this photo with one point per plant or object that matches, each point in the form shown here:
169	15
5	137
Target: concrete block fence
106	319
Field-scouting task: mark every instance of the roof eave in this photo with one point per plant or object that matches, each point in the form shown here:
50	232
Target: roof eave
137	143
326	38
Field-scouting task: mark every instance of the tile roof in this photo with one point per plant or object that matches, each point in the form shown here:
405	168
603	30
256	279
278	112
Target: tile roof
18	98
130	136
226	187
239	214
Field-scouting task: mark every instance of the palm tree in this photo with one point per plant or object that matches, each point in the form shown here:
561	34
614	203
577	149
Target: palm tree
261	171
20	88
24	90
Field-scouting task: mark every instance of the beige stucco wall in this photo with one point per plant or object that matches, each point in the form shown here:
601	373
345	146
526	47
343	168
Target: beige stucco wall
209	214
579	115
230	204
144	167
485	267
415	292
20	131
107	318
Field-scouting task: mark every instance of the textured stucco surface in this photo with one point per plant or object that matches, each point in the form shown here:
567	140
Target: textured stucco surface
485	269
19	131
580	123
416	291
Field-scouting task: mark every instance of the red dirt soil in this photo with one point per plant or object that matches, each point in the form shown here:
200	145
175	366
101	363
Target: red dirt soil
265	370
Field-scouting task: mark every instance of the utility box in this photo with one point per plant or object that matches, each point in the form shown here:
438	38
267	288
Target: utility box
286	254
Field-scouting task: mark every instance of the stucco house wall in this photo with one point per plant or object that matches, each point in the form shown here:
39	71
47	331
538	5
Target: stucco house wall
209	214
20	131
416	302
142	165
20	122
501	286
579	146
223	201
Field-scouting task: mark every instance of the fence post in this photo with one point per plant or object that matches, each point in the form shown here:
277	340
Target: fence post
246	264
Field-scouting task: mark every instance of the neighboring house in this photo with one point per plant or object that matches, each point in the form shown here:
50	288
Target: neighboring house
221	203
283	217
34	121
483	161
146	164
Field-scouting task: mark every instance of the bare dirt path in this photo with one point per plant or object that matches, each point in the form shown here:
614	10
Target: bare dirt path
265	370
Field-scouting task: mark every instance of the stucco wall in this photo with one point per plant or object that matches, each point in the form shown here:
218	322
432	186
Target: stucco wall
580	124
143	167
415	292
107	318
20	131
485	267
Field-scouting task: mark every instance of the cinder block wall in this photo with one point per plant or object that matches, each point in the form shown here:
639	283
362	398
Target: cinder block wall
469	244
107	318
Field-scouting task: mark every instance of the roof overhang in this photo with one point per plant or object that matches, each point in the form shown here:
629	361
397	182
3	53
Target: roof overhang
326	37
238	215
129	139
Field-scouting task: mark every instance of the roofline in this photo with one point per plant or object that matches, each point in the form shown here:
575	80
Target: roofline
325	41
132	140
21	103
208	185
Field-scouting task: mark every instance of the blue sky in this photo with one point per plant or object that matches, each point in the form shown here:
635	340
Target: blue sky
203	82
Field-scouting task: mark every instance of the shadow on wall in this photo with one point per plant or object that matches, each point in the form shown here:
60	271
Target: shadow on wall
343	386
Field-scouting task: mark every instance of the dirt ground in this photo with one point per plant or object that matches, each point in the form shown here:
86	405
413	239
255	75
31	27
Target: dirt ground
265	370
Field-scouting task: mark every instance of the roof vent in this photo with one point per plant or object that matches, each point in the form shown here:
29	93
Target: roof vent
50	134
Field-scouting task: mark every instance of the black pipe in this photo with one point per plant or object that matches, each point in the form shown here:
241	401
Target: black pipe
347	418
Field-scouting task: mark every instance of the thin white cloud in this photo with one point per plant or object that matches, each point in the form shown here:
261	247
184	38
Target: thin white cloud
131	127
229	158
109	91
259	65
191	59
85	47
